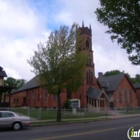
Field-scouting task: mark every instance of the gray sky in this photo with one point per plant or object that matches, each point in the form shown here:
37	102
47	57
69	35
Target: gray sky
25	23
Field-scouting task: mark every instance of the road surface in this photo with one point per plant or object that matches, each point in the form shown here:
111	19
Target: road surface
103	130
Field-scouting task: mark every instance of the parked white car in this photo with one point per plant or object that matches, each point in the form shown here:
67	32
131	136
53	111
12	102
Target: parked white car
11	119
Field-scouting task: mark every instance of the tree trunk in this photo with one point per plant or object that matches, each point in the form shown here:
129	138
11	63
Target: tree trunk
0	96
59	108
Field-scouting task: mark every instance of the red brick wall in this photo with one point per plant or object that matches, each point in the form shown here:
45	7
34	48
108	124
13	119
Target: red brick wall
17	99
81	92
138	95
124	84
36	100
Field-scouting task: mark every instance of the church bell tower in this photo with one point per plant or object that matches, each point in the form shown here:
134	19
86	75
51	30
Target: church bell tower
89	75
86	33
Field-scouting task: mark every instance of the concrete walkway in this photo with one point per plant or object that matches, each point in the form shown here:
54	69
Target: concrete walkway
113	116
118	115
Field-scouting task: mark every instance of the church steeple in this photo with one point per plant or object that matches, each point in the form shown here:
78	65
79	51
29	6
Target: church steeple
85	30
86	33
82	24
89	74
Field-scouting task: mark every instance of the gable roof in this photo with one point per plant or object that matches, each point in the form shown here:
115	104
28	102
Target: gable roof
113	81
104	84
136	85
30	84
93	93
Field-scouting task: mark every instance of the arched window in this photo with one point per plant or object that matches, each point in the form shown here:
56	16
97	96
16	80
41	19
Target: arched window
130	94
38	95
80	96
120	95
87	44
91	75
46	95
32	94
125	95
87	77
17	100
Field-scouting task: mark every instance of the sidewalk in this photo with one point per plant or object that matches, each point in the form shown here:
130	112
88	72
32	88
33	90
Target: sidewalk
113	116
118	115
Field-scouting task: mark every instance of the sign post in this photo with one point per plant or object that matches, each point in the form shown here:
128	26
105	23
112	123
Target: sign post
74	110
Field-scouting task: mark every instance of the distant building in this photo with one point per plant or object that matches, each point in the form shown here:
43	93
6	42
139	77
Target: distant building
32	95
119	90
137	88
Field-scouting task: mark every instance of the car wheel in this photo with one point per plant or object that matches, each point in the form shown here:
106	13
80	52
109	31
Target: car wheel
16	126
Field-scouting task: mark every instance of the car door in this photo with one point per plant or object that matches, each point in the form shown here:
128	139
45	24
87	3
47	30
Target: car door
6	119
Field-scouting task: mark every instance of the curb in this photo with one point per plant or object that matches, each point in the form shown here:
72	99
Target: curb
64	122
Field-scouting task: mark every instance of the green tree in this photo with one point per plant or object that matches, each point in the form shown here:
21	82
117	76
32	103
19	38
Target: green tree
67	104
15	83
112	72
59	64
123	20
133	80
137	78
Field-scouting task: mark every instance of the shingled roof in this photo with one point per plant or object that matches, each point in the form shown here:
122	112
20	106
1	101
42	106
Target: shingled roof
112	81
93	93
136	85
104	84
2	72
30	84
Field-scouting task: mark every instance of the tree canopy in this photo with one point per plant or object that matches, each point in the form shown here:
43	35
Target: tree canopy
15	83
59	64
112	72
123	20
133	80
136	79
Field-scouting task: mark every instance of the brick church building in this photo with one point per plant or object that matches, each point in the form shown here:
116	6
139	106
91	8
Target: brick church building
94	93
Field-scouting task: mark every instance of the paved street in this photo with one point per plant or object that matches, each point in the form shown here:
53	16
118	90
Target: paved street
112	129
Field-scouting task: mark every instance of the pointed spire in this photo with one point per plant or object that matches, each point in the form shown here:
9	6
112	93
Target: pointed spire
82	24
90	26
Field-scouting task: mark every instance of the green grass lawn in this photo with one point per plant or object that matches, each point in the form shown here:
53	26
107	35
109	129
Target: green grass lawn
132	112
67	121
51	114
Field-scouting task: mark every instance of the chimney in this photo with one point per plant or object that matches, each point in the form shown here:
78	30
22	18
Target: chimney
100	74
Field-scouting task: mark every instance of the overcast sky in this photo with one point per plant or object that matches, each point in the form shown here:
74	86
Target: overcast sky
25	23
